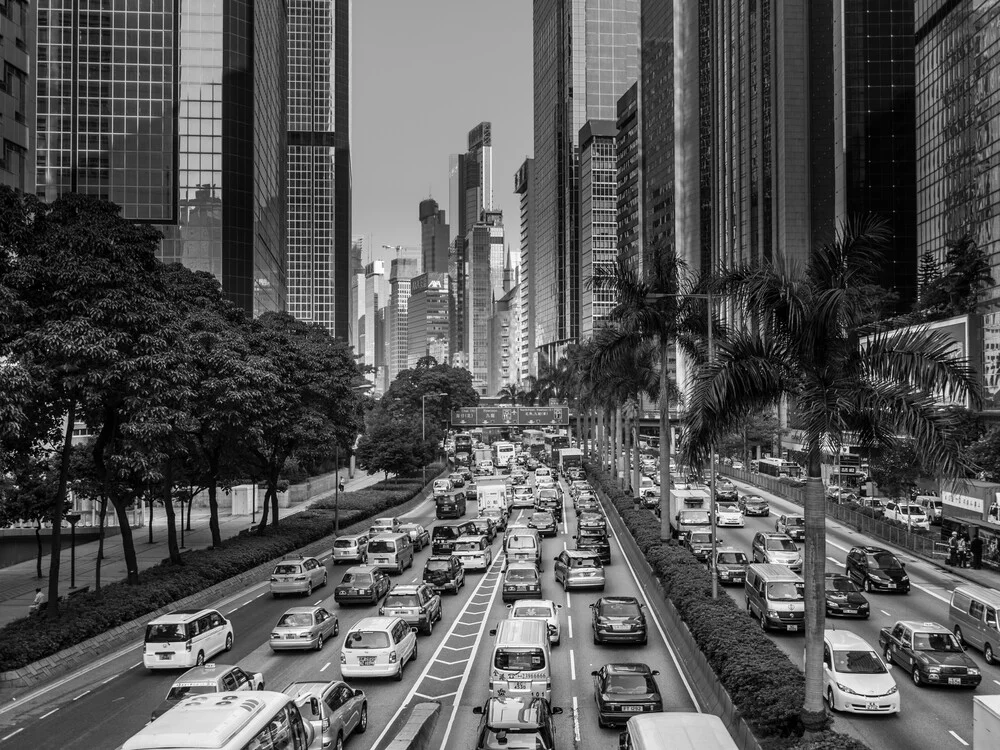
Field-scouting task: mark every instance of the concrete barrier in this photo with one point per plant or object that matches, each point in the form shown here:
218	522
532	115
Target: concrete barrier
418	730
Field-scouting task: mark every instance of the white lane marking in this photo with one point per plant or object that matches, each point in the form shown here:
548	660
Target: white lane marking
45	716
887	614
958	738
325	666
85	692
134	666
928	591
997	682
834	561
576	720
572	665
443	679
16	731
834	544
318	602
569	621
234	610
656	621
567	600
105	682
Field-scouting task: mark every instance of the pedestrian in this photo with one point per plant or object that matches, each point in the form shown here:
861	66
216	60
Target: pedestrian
953	548
340	486
963	551
41	599
977	552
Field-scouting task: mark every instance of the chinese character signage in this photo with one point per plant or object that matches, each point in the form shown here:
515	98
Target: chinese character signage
487	416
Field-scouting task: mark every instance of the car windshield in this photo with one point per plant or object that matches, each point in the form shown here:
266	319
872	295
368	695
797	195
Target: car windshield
591	536
401	600
857	662
180	692
728	509
585	562
381	546
841	585
443	565
629	684
912	510
884	561
755	501
358	579
286	570
367	639
701	537
295	620
773	544
936	642
519	659
341	543
619	609
522	574
786	591
481	526
795	521
541	518
532	612
165	633
521	542
732	558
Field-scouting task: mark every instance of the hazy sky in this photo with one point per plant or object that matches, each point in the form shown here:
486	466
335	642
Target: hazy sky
425	73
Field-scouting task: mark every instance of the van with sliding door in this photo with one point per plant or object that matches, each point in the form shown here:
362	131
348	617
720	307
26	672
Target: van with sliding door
775	597
520	663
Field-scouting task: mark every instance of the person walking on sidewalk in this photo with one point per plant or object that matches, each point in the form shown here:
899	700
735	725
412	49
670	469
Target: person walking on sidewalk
963	551
953	548
977	552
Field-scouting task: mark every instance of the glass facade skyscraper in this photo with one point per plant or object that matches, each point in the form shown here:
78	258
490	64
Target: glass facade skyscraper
17	100
485	242
524	186
629	177
434	237
155	107
598	221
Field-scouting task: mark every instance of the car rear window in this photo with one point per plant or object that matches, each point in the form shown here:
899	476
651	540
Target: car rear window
522	574
781	545
295	620
619	609
732	558
585	562
342	543
383	546
445	532
533	611
165	633
444	565
521	542
367	639
286	570
467	547
180	692
358	579
401	600
519	659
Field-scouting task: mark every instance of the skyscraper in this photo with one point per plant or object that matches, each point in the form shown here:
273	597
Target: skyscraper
434	237
485	242
524	186
586	56
479	173
357	308
456	197
598	221
130	108
401	273
502	370
319	163
374	299
629	177
427	313
17	97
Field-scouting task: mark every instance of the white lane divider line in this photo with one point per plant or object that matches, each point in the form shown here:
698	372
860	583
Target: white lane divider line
834	544
136	665
572	665
325	667
85	692
576	720
835	561
932	593
236	609
443	679
569	622
887	614
952	733
568	600
105	682
997	682
45	716
16	731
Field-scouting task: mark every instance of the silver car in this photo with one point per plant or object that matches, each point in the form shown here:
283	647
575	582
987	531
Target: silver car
297	575
350	548
304	627
335	710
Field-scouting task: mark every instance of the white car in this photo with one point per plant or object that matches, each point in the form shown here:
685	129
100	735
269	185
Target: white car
388	525
738	465
539	609
906	513
474	552
856	679
728	515
378	647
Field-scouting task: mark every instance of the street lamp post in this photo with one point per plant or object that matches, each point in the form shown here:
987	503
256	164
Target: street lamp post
73	519
423	425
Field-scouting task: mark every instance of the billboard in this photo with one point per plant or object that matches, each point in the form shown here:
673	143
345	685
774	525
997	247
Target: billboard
493	416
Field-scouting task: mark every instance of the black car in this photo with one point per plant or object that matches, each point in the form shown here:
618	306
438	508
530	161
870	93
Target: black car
619	619
543	522
444	535
444	573
624	690
594	540
550	501
485	527
725	490
516	722
931	653
364	583
844	599
793	524
877	569
521	581
754	505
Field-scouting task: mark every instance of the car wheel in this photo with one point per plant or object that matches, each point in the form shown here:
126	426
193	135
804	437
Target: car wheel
763	621
958	634
309	589
597	640
324	579
229	642
831	704
868	586
430	625
275	595
887	655
916	677
319	643
413	657
558	641
200	661
988	654
363	721
398	677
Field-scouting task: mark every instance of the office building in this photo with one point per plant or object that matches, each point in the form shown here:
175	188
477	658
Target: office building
503	352
478	182
319	164
427	328
402	271
598	222
456	197
434	237
585	58
131	109
655	117
629	179
524	180
380	375
357	306
375	298
17	96
485	243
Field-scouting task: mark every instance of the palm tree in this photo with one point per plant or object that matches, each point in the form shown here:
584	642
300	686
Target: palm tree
510	392
850	380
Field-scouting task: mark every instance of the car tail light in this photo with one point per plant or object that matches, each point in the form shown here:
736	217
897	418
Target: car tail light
187	645
343	658
326	722
392	657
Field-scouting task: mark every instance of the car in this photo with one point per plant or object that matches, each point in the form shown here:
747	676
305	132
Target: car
844	599
730	565
362	583
726	490
579	569
521	581
539	609
387	525
474	552
587	501
485	526
297	575
549	500
208	678
350	548
185	638
619	619
543	522
594	540
442	487
420	536
877	569
754	505
485	468
526	720
855	677
590	519
523	497
531	464
418	604
457	480
577	486
738	465
779	549
444	573
792	524
906	513
304	627
700	543
335	710
497	515
623	690
444	535
930	652
728	514
378	647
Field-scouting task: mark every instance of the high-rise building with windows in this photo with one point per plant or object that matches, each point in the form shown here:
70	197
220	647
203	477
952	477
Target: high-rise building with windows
598	221
503	352
434	237
484	242
401	273
629	177
524	181
479	173
427	313
154	106
357	307
17	96
585	57
655	119
319	163
375	297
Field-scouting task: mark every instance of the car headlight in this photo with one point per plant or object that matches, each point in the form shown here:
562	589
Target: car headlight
905	578
846	689
772	613
934	670
973	671
892	690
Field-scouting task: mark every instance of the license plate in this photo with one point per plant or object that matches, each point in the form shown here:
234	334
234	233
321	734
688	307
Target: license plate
381	559
954	680
892	586
619	627
366	661
520	686
164	657
871	706
793	627
737	579
850	611
632	708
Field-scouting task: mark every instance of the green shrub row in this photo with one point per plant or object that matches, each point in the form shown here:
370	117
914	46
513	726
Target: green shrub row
86	615
764	684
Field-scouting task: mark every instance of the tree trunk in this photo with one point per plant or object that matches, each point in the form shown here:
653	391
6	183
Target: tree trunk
105	438
128	544
58	508
635	465
38	548
814	571
272	490
616	444
102	516
213	500
666	504
265	510
626	451
168	507
149	525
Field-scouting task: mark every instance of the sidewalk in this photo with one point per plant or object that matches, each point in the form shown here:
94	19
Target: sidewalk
985	577
18	582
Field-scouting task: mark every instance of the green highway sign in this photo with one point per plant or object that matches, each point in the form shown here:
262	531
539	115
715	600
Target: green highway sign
523	416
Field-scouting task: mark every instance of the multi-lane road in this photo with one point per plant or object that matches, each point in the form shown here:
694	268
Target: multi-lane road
103	705
930	717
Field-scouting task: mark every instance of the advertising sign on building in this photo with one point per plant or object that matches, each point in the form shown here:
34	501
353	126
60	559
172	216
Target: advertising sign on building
972	500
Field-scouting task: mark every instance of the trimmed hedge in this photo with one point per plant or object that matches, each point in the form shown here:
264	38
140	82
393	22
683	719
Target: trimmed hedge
86	615
766	687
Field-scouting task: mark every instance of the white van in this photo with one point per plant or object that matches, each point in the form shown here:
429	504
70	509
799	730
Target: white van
523	545
678	730
390	552
973	614
186	638
519	665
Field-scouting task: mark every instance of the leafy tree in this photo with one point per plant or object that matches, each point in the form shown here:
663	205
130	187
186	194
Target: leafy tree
896	469
393	444
957	288
849	381
984	453
428	377
26	494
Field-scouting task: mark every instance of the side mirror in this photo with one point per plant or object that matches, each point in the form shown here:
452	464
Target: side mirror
558	606
556	710
493	632
556	558
413	630
623	741
594	673
478	710
314	706
656	672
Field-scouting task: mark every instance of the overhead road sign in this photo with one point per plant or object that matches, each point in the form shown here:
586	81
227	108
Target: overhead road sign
492	416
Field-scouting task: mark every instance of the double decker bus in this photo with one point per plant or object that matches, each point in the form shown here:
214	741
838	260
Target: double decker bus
776	467
463	442
553	443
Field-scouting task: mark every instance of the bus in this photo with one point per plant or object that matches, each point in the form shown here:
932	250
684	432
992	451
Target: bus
776	467
463	442
503	455
533	441
554	443
259	720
